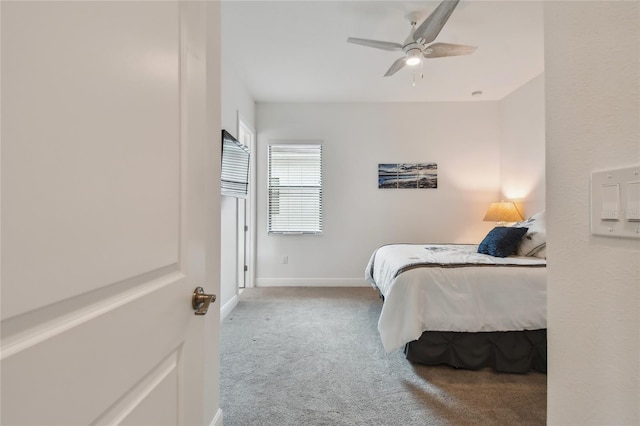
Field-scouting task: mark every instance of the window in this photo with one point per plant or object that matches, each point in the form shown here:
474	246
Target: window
295	189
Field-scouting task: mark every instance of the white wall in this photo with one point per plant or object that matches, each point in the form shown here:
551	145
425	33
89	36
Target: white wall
235	100
592	107
463	138
522	147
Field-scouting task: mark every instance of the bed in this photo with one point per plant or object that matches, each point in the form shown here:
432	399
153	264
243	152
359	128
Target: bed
449	304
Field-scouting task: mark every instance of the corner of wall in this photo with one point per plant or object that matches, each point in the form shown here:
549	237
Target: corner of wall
522	147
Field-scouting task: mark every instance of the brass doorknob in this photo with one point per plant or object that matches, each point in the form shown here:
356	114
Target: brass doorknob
201	301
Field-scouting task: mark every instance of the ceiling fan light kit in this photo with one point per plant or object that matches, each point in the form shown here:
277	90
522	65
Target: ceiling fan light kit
414	57
418	45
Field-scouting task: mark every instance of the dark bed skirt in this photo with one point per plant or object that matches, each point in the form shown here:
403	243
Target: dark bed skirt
504	351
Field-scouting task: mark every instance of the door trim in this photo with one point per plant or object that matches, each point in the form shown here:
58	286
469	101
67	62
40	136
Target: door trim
250	244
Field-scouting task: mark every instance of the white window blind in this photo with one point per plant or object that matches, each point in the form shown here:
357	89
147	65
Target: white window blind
235	167
295	189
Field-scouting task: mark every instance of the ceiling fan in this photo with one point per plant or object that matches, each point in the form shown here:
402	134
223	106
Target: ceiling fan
417	46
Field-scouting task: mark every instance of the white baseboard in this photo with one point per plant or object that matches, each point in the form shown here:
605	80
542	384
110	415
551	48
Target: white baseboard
311	282
228	307
217	419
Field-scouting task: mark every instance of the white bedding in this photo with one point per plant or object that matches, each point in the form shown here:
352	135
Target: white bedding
451	287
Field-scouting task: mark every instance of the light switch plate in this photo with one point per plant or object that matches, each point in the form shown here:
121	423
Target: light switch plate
615	202
610	194
633	201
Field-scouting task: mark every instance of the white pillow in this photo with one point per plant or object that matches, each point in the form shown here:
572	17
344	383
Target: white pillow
542	253
534	243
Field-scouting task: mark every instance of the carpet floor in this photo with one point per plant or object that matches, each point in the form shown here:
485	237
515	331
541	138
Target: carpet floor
313	356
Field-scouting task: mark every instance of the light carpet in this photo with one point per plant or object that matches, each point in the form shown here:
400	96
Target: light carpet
312	356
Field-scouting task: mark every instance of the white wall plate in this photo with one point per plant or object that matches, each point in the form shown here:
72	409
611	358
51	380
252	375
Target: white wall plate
615	202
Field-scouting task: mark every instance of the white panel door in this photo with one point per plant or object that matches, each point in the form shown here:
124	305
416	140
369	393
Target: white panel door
108	202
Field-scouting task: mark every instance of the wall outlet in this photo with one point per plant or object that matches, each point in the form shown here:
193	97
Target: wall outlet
285	260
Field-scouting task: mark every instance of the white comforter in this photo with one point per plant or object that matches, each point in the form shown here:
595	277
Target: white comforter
453	288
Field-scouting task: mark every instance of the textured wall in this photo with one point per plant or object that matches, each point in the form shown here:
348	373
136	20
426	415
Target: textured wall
592	108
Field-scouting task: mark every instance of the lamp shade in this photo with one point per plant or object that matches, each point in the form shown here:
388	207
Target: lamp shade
503	212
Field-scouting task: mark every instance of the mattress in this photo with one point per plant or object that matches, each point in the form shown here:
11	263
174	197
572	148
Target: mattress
451	287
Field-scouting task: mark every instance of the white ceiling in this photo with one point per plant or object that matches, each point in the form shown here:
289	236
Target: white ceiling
296	51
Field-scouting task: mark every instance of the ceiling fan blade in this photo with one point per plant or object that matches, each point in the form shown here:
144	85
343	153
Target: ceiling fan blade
384	45
397	66
431	27
440	50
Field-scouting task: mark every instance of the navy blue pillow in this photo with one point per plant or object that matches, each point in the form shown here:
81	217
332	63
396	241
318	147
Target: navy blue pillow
501	241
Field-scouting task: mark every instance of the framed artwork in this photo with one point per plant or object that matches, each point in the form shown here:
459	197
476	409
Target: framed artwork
408	175
428	175
387	175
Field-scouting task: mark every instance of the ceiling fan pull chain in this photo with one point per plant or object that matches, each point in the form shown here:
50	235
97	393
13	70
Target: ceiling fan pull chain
414	77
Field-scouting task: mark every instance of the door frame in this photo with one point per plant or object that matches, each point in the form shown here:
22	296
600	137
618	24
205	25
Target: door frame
250	208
